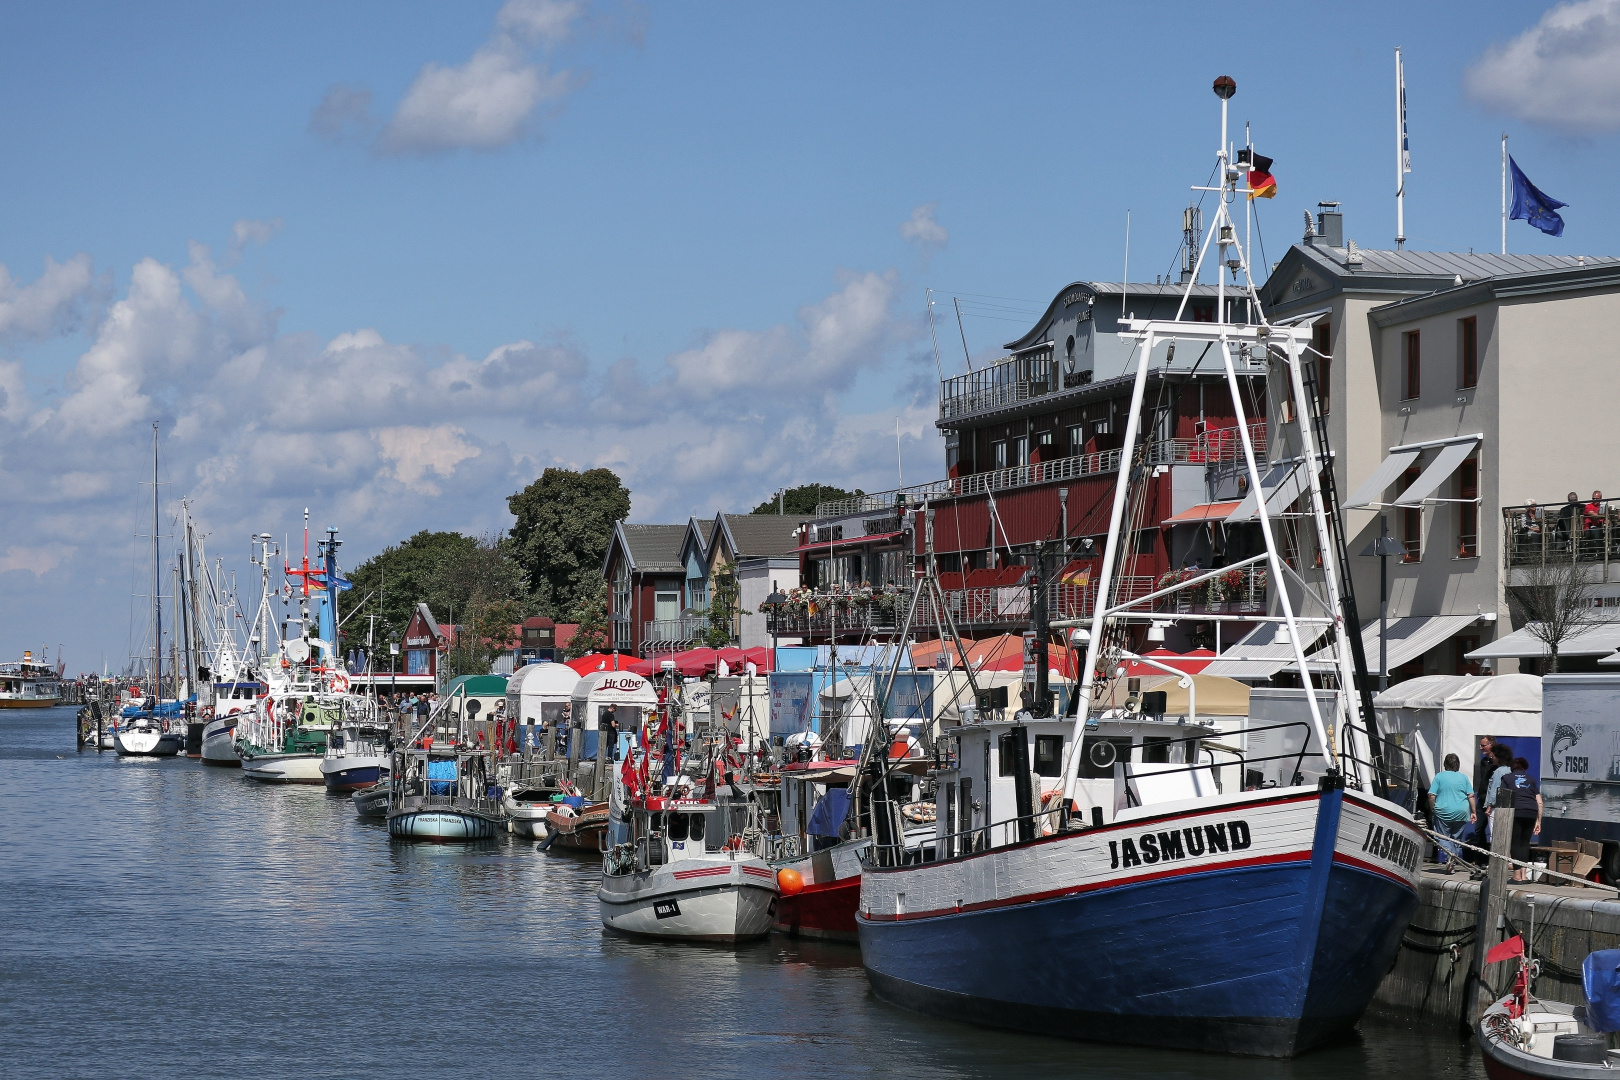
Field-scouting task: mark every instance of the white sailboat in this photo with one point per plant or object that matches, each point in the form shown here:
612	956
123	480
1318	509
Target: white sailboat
143	731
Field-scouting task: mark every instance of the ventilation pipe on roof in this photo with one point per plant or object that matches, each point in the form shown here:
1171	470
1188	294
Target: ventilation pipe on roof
1330	224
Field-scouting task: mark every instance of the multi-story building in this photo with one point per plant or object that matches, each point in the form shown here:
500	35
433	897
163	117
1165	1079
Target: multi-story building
647	588
1032	445
1458	385
662	579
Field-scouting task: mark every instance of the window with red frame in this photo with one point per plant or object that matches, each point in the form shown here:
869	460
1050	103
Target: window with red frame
1468	509
1411	521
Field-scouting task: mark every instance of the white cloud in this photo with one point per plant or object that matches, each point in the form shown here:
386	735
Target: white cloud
344	112
383	438
536	21
37	560
416	451
490	100
52	303
1563	72
922	230
252	231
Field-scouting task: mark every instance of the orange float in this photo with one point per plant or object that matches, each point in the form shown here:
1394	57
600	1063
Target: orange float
791	882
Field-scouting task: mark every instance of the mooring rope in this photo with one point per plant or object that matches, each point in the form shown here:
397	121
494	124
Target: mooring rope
1515	862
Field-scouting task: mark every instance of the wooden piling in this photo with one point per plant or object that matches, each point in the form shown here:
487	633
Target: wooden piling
1493	896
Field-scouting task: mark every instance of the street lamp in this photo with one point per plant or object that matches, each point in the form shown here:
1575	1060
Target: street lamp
775	600
1383	546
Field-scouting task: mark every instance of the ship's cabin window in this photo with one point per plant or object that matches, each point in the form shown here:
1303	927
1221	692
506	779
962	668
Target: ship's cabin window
678	825
1049	755
694	828
1089	756
1156	750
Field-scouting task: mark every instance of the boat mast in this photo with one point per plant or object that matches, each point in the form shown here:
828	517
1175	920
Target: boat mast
157	584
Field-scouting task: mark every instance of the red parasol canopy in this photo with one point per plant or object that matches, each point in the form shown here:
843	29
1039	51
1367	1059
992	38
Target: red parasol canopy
598	662
1191	662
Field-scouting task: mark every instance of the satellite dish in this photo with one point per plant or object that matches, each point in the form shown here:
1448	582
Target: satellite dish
297	650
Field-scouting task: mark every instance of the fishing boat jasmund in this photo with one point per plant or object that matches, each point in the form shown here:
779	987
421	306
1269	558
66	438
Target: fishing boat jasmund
1152	906
29	684
674	872
231	700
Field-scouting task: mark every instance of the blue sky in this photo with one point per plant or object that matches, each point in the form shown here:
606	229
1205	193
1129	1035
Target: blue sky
391	260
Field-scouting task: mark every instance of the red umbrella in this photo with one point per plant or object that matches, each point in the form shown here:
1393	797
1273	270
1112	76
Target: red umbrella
598	662
760	657
1192	663
695	662
645	668
1057	659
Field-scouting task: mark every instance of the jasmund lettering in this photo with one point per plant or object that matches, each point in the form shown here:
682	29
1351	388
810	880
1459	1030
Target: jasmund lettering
1190	843
1391	846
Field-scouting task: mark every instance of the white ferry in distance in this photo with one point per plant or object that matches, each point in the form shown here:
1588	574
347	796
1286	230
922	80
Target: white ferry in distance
29	684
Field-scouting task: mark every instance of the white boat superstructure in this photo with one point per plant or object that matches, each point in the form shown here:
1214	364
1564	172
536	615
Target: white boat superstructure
679	878
29	683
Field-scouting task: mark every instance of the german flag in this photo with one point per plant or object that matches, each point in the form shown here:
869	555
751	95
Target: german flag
1262	185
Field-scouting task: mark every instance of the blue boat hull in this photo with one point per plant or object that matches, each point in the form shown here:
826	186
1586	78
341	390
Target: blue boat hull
1267	958
347	780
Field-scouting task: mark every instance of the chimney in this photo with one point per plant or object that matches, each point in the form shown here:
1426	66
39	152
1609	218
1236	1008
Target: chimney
1329	225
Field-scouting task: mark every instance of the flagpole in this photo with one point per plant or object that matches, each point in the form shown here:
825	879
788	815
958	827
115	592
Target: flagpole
1400	153
1504	193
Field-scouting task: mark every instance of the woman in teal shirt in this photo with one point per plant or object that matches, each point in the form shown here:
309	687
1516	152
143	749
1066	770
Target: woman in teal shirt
1451	806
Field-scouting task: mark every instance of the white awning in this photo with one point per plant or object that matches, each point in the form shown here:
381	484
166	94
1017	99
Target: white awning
1283	483
1438	472
1522	644
1258	656
1372	489
1406	638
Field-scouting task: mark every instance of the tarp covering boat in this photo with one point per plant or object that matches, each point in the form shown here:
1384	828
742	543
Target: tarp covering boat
441	777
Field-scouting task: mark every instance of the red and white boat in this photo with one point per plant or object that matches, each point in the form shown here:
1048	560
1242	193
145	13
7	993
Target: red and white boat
1524	1038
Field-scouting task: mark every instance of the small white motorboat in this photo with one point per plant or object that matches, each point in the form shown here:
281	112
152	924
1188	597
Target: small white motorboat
356	758
666	881
527	808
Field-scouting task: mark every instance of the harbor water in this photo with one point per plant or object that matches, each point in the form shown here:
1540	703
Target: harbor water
167	919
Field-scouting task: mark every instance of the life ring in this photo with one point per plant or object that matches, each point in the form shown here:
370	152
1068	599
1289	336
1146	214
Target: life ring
340	683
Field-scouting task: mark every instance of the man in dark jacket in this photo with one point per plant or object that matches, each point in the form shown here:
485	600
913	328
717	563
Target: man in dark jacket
1484	766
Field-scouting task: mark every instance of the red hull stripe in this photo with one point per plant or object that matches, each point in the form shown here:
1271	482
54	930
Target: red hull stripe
682	875
1351	860
757	872
1114	883
1372	808
1123	826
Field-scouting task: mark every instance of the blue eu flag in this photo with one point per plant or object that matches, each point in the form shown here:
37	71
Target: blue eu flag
1532	205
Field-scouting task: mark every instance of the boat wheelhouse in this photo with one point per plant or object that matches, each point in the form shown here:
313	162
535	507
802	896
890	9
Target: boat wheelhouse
29	684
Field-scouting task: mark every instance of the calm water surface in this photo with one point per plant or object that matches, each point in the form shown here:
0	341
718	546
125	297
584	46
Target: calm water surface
162	918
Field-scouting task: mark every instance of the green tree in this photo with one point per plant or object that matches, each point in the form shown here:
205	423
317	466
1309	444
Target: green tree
565	521
591	615
804	499
391	583
484	592
722	607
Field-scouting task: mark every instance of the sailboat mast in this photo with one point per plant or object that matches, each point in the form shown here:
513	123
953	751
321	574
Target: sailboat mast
157	583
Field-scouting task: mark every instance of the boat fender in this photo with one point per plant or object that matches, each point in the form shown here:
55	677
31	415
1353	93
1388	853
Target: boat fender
1588	1049
789	881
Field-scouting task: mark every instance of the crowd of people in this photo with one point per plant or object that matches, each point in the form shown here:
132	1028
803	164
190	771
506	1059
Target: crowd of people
1575	519
1458	817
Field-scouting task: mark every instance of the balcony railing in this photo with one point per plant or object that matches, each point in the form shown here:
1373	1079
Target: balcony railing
683	629
1218	446
1585	532
1008	606
1015	379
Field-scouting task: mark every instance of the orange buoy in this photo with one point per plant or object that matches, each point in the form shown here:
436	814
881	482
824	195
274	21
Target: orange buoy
790	882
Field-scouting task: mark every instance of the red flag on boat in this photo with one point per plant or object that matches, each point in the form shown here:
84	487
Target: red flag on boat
1510	949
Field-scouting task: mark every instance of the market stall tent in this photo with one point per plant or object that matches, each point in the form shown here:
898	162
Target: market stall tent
1438	715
